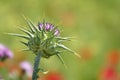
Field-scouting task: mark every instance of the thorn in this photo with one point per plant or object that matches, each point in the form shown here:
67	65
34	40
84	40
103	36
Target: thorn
77	54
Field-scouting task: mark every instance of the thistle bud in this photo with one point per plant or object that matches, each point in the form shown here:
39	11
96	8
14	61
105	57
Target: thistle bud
44	38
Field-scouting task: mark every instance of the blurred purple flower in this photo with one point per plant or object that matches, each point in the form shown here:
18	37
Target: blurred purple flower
5	53
1	78
27	67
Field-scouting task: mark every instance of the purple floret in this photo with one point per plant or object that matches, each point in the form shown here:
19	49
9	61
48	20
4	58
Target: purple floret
51	27
57	32
47	26
41	26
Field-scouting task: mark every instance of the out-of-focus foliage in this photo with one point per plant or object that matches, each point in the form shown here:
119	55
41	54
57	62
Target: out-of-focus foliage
94	24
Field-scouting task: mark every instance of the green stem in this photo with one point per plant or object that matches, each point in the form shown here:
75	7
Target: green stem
36	65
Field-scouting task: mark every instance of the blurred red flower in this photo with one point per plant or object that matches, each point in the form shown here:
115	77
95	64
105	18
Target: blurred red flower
109	73
53	76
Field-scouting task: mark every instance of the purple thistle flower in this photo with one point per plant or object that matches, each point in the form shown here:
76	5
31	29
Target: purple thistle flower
27	67
57	32
5	53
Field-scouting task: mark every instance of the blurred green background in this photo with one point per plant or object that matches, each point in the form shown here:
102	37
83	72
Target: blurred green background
94	24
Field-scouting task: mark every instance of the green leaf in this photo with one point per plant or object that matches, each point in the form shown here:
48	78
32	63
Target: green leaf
61	59
27	32
46	41
19	35
26	44
63	38
66	48
24	50
29	25
35	28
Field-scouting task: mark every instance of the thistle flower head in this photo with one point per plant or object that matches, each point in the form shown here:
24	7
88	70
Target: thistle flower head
5	53
45	38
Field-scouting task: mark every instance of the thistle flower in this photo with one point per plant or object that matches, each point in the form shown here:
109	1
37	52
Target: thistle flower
43	40
5	53
27	68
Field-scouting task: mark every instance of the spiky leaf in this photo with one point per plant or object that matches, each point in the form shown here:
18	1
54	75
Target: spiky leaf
19	35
